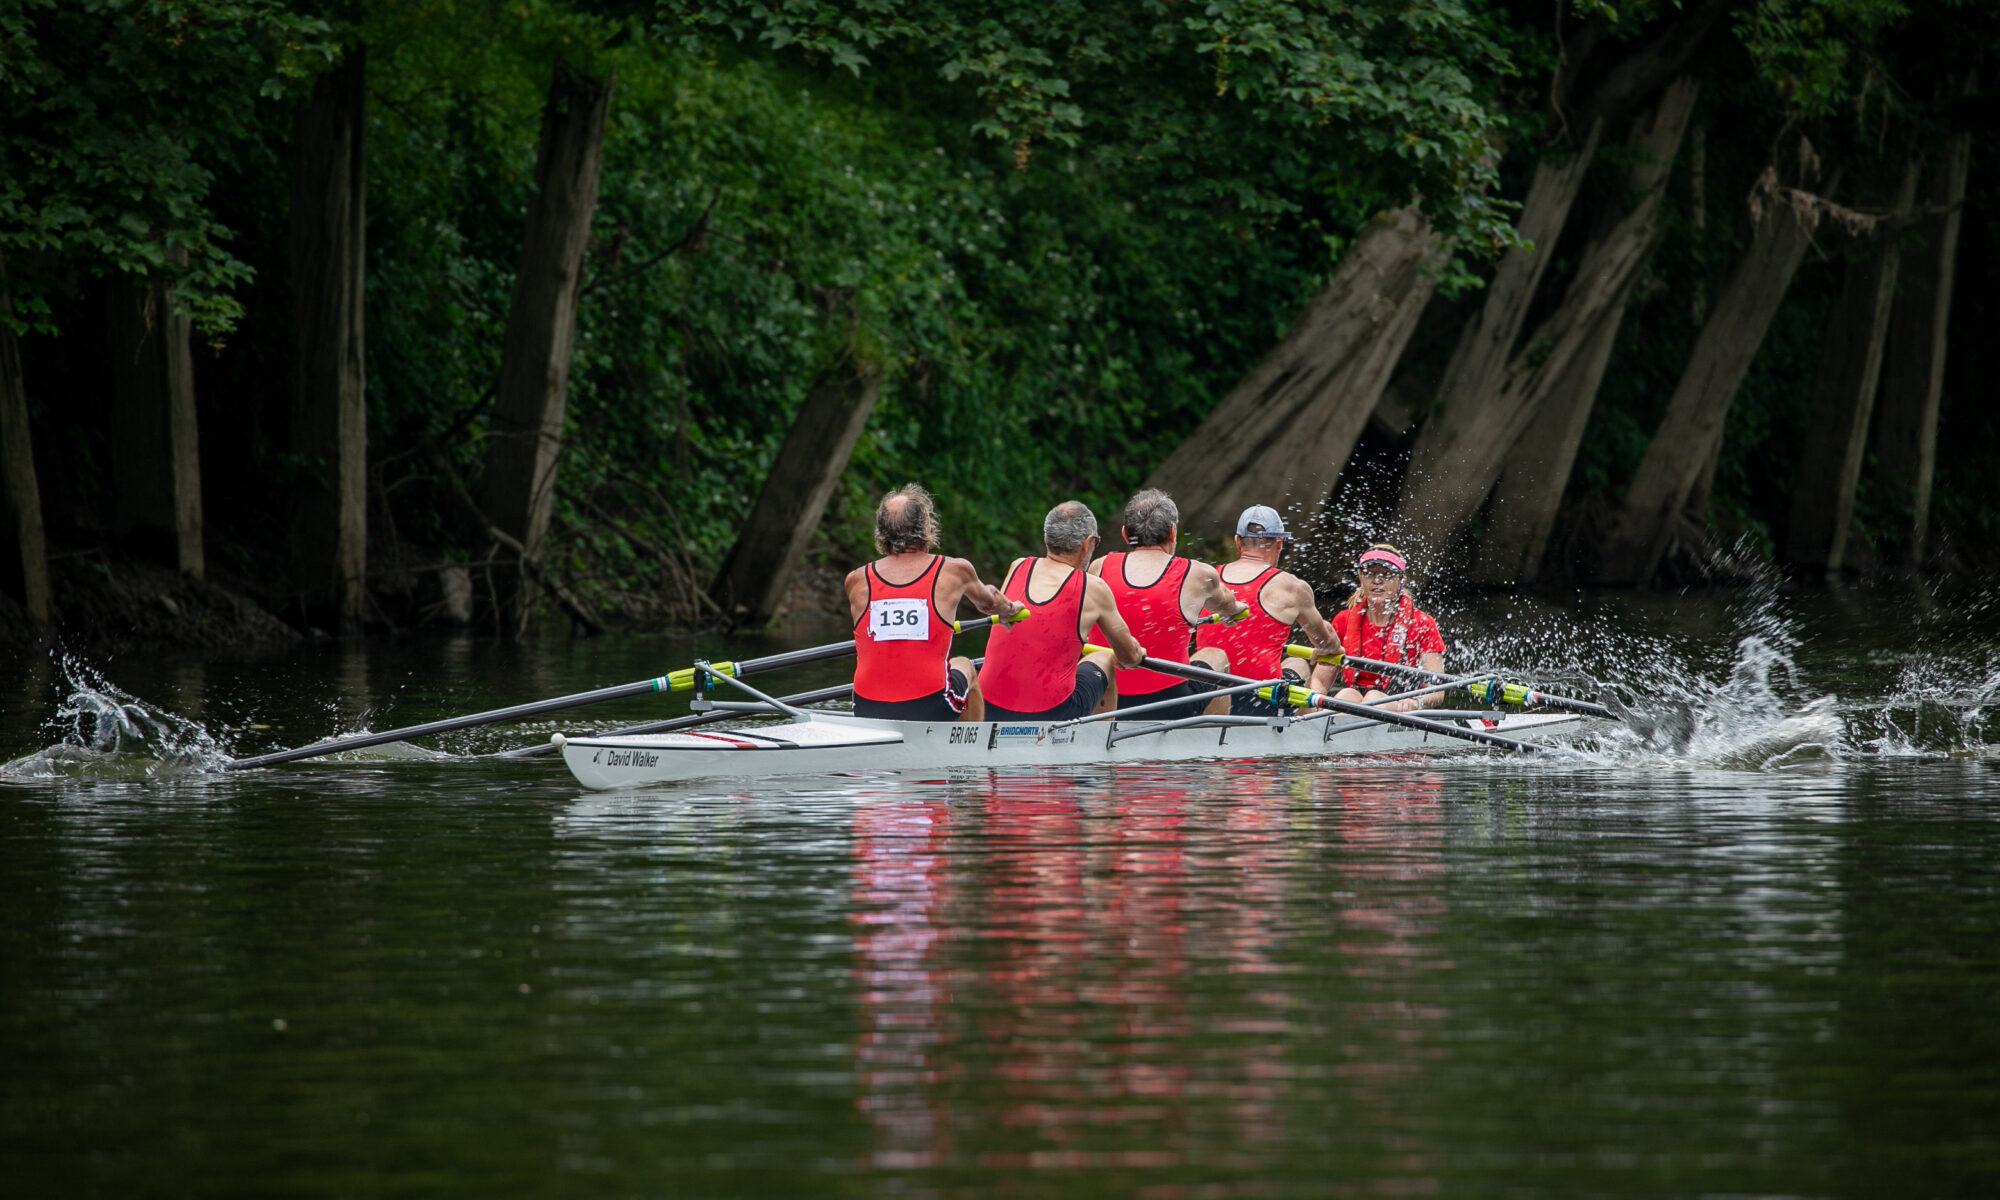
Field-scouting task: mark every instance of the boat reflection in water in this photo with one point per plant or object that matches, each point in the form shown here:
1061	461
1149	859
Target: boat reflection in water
1101	972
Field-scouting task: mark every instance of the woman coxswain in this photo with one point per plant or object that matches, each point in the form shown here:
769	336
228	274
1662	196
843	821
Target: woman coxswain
1383	623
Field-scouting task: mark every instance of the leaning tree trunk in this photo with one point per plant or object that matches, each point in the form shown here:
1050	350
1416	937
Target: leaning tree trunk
329	399
1437	496
750	587
22	494
155	452
1691	430
1528	495
1553	384
1282	435
1843	397
1913	374
525	432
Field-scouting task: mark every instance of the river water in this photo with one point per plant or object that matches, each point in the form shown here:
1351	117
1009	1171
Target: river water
1751	947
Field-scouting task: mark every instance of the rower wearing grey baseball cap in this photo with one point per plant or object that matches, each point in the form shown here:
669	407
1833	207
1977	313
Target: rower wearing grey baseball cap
1278	600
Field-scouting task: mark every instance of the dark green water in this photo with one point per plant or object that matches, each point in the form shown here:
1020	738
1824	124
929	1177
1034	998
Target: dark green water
1757	954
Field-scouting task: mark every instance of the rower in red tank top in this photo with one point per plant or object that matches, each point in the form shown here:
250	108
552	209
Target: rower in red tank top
1031	671
1278	601
903	605
1160	594
1382	622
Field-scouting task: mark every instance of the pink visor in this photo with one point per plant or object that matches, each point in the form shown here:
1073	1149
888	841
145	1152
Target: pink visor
1388	558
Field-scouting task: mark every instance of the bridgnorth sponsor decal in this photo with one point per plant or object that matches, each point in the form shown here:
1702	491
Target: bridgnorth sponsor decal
1017	731
627	758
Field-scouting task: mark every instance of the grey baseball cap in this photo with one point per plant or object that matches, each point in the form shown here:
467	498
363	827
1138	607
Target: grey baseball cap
1261	520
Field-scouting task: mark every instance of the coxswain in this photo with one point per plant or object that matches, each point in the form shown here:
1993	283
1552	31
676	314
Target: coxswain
903	605
1032	672
1161	595
1382	622
1278	601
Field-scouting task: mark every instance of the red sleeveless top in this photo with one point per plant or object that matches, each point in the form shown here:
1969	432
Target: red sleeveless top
1256	643
1157	620
901	643
1032	665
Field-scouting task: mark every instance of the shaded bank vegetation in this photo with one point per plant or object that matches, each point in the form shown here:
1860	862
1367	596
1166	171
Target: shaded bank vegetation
625	313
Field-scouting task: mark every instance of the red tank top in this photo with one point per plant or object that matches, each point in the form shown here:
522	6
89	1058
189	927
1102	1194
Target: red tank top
1157	620
1032	666
1255	644
902	644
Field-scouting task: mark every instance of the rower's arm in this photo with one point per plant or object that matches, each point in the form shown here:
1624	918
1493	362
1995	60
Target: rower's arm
1317	630
1431	661
1216	596
989	600
1101	610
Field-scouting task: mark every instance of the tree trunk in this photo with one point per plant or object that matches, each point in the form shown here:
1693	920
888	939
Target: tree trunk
1282	435
1913	374
155	451
23	495
1438	498
329	399
525	432
750	587
1528	495
1843	398
1566	354
1692	428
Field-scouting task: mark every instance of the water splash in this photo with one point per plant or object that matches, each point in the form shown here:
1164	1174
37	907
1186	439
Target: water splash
103	732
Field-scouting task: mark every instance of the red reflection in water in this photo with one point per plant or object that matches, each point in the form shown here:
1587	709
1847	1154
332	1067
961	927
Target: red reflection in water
1095	971
899	892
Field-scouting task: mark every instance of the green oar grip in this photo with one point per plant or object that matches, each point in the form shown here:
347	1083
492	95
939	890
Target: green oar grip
1329	657
683	679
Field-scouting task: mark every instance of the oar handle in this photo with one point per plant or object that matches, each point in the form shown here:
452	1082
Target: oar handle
1492	691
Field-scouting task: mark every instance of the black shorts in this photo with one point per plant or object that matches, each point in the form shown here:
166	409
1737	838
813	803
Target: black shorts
1090	685
1194	691
938	706
1250	704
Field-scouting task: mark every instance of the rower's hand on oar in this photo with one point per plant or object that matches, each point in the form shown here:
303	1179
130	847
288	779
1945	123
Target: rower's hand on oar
1331	658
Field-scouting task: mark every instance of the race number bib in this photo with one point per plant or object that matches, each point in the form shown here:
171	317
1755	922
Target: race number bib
905	620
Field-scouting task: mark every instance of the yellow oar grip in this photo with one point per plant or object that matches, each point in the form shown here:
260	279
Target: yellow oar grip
1001	622
1090	648
1331	657
1293	695
683	679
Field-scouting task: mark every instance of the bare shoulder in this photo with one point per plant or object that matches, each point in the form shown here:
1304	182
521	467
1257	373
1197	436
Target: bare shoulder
1097	564
959	569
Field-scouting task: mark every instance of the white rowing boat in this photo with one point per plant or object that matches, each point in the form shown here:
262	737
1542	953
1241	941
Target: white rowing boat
815	742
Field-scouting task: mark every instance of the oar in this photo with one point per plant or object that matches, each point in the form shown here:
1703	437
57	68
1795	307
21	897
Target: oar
838	691
1492	691
1190	671
688	720
675	681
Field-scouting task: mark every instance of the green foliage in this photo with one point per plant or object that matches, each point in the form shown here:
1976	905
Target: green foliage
116	112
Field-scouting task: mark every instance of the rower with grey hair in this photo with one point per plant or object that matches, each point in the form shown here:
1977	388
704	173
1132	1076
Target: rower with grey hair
903	669
1032	672
1161	595
1279	600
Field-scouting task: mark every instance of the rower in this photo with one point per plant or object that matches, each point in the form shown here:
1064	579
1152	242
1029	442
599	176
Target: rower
1278	600
1381	621
1031	671
1160	595
903	605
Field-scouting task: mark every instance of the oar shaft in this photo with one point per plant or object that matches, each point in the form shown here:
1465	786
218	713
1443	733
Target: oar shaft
1190	671
688	720
519	712
676	681
1512	693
